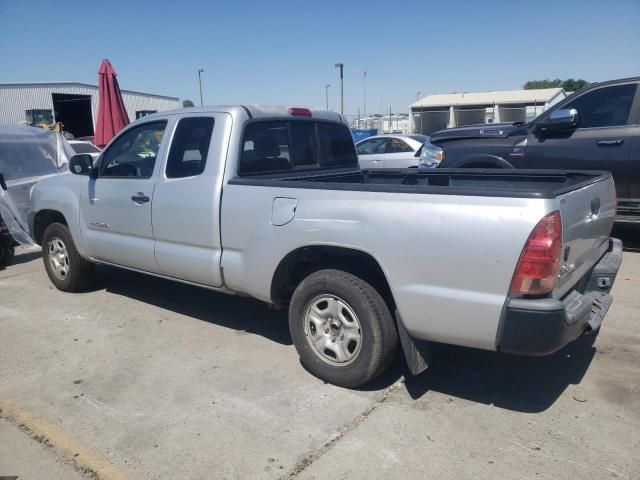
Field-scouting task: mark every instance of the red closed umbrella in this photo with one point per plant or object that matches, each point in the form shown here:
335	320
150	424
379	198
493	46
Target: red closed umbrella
112	116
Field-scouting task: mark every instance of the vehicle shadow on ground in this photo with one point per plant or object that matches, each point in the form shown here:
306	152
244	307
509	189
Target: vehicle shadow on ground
237	313
523	384
24	257
629	234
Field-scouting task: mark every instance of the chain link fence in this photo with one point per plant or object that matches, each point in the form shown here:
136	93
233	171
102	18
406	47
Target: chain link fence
394	123
432	120
440	118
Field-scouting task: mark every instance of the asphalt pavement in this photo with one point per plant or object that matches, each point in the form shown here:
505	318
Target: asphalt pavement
143	378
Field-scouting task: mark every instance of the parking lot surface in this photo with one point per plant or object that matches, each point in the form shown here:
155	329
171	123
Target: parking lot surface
142	378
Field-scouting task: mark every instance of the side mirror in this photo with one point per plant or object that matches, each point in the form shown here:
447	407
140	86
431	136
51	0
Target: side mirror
561	119
81	164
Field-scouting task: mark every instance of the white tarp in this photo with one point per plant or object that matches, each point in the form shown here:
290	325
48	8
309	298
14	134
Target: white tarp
27	155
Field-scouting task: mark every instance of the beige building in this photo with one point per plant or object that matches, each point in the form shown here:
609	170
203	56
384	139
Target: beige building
437	112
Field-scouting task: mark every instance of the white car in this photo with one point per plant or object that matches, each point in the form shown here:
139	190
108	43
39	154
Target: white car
82	146
390	151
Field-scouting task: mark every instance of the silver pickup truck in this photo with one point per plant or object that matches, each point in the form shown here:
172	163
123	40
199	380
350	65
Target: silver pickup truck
270	203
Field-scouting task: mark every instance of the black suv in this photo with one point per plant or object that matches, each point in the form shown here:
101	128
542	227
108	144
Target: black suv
596	128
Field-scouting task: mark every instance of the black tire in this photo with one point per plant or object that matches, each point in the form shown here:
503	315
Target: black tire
7	251
79	272
378	338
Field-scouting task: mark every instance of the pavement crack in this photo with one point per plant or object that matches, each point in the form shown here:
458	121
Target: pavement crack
307	460
21	274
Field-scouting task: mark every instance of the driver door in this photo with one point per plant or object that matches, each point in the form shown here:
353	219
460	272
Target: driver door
115	212
602	140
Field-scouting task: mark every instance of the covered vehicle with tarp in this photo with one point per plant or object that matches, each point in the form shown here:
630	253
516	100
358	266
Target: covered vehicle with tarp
27	155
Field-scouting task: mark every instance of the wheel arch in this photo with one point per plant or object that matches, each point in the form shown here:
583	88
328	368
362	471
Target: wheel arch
483	161
43	219
303	261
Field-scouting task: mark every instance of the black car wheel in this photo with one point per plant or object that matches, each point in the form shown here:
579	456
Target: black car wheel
341	328
66	268
7	251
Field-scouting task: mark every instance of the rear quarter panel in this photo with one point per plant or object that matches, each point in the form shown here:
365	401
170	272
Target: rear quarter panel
448	259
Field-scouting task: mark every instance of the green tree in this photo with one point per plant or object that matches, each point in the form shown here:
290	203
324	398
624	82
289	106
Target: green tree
535	84
187	103
569	85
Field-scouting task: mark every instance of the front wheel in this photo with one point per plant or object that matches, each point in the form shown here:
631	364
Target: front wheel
66	268
341	328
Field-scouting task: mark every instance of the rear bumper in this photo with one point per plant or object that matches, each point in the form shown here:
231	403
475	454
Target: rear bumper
543	326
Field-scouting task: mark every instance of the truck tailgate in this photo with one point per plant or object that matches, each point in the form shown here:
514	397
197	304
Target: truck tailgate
587	216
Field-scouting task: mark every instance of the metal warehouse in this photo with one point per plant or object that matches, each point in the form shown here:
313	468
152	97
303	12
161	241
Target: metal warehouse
73	104
437	112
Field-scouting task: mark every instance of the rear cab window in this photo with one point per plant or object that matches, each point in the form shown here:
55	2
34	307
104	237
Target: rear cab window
265	148
336	145
293	145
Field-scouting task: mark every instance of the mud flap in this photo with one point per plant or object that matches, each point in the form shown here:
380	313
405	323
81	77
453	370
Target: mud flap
416	352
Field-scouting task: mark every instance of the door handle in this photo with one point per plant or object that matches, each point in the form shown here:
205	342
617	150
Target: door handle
140	198
617	141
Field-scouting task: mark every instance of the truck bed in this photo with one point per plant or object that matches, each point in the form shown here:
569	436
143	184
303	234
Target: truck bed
471	182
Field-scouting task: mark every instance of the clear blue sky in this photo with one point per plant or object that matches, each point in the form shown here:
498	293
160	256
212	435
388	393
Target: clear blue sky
283	52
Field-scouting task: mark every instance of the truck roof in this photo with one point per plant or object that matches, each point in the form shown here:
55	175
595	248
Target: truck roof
254	111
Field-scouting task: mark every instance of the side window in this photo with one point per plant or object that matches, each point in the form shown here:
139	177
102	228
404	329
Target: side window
134	153
265	148
189	147
303	140
605	107
36	117
395	145
374	145
336	145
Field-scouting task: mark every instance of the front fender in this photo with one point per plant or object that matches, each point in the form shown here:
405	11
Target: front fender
60	194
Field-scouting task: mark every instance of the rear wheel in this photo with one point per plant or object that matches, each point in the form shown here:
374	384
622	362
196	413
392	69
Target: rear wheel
67	270
342	328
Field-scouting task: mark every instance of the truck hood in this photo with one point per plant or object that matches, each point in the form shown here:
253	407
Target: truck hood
484	130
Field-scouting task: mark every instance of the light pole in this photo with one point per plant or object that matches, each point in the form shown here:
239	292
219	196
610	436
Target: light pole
341	67
419	112
326	94
364	111
200	83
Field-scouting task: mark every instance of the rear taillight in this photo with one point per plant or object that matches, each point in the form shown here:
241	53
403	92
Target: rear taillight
537	268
